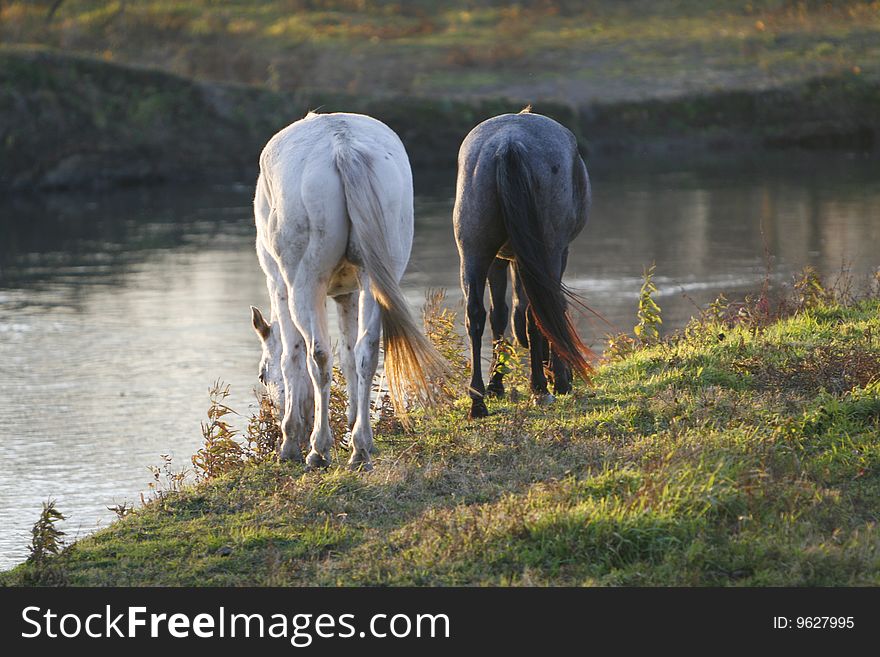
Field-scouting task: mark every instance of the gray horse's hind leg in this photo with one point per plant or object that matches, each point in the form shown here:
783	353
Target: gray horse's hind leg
561	376
498	311
538	354
561	371
474	270
526	332
519	319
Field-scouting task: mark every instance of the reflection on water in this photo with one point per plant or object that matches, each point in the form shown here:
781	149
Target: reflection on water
118	310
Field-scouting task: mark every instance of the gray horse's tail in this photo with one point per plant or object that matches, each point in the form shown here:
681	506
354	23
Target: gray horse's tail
412	364
522	217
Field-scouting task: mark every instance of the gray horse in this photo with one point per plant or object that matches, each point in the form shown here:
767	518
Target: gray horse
523	194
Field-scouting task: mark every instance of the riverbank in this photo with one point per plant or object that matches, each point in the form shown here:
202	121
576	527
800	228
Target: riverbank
742	451
602	51
72	122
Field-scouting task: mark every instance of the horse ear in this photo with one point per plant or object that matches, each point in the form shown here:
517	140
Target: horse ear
261	326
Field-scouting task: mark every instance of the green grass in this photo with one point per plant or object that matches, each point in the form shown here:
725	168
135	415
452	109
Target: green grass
729	455
572	51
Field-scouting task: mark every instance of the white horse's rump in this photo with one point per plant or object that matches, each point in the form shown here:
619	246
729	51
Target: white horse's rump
334	215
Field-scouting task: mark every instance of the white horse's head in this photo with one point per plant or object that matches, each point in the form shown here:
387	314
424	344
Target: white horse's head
270	362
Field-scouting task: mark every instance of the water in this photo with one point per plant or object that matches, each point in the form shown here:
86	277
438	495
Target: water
118	310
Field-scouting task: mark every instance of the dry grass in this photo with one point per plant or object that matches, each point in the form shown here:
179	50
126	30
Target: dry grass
832	367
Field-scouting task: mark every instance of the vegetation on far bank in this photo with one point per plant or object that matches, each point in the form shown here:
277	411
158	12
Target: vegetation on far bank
100	92
79	122
742	450
70	121
578	52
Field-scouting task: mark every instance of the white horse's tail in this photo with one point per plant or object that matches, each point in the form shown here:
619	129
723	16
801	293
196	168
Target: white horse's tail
411	361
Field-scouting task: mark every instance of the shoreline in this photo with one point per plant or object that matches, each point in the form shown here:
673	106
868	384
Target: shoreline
95	124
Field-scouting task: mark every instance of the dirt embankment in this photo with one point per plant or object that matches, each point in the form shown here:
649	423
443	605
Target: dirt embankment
78	122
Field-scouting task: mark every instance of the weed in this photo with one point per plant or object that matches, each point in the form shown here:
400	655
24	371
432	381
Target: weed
166	480
387	421
718	309
809	290
338	409
263	432
121	509
45	565
618	347
648	322
647	330
440	328
504	358
46	538
222	452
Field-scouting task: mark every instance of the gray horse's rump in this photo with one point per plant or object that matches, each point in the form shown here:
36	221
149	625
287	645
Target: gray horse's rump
558	172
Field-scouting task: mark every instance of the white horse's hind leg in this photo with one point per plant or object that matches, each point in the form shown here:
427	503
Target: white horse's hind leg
309	312
296	398
366	354
347	305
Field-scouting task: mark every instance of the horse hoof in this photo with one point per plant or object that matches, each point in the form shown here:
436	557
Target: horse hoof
290	451
562	390
478	410
360	465
496	391
315	461
544	400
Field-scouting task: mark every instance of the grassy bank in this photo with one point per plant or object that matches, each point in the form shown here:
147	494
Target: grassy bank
743	451
81	122
576	52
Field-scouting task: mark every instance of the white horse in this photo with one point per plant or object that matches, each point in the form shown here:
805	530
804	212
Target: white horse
334	216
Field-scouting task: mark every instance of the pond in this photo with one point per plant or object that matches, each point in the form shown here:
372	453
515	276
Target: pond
119	309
